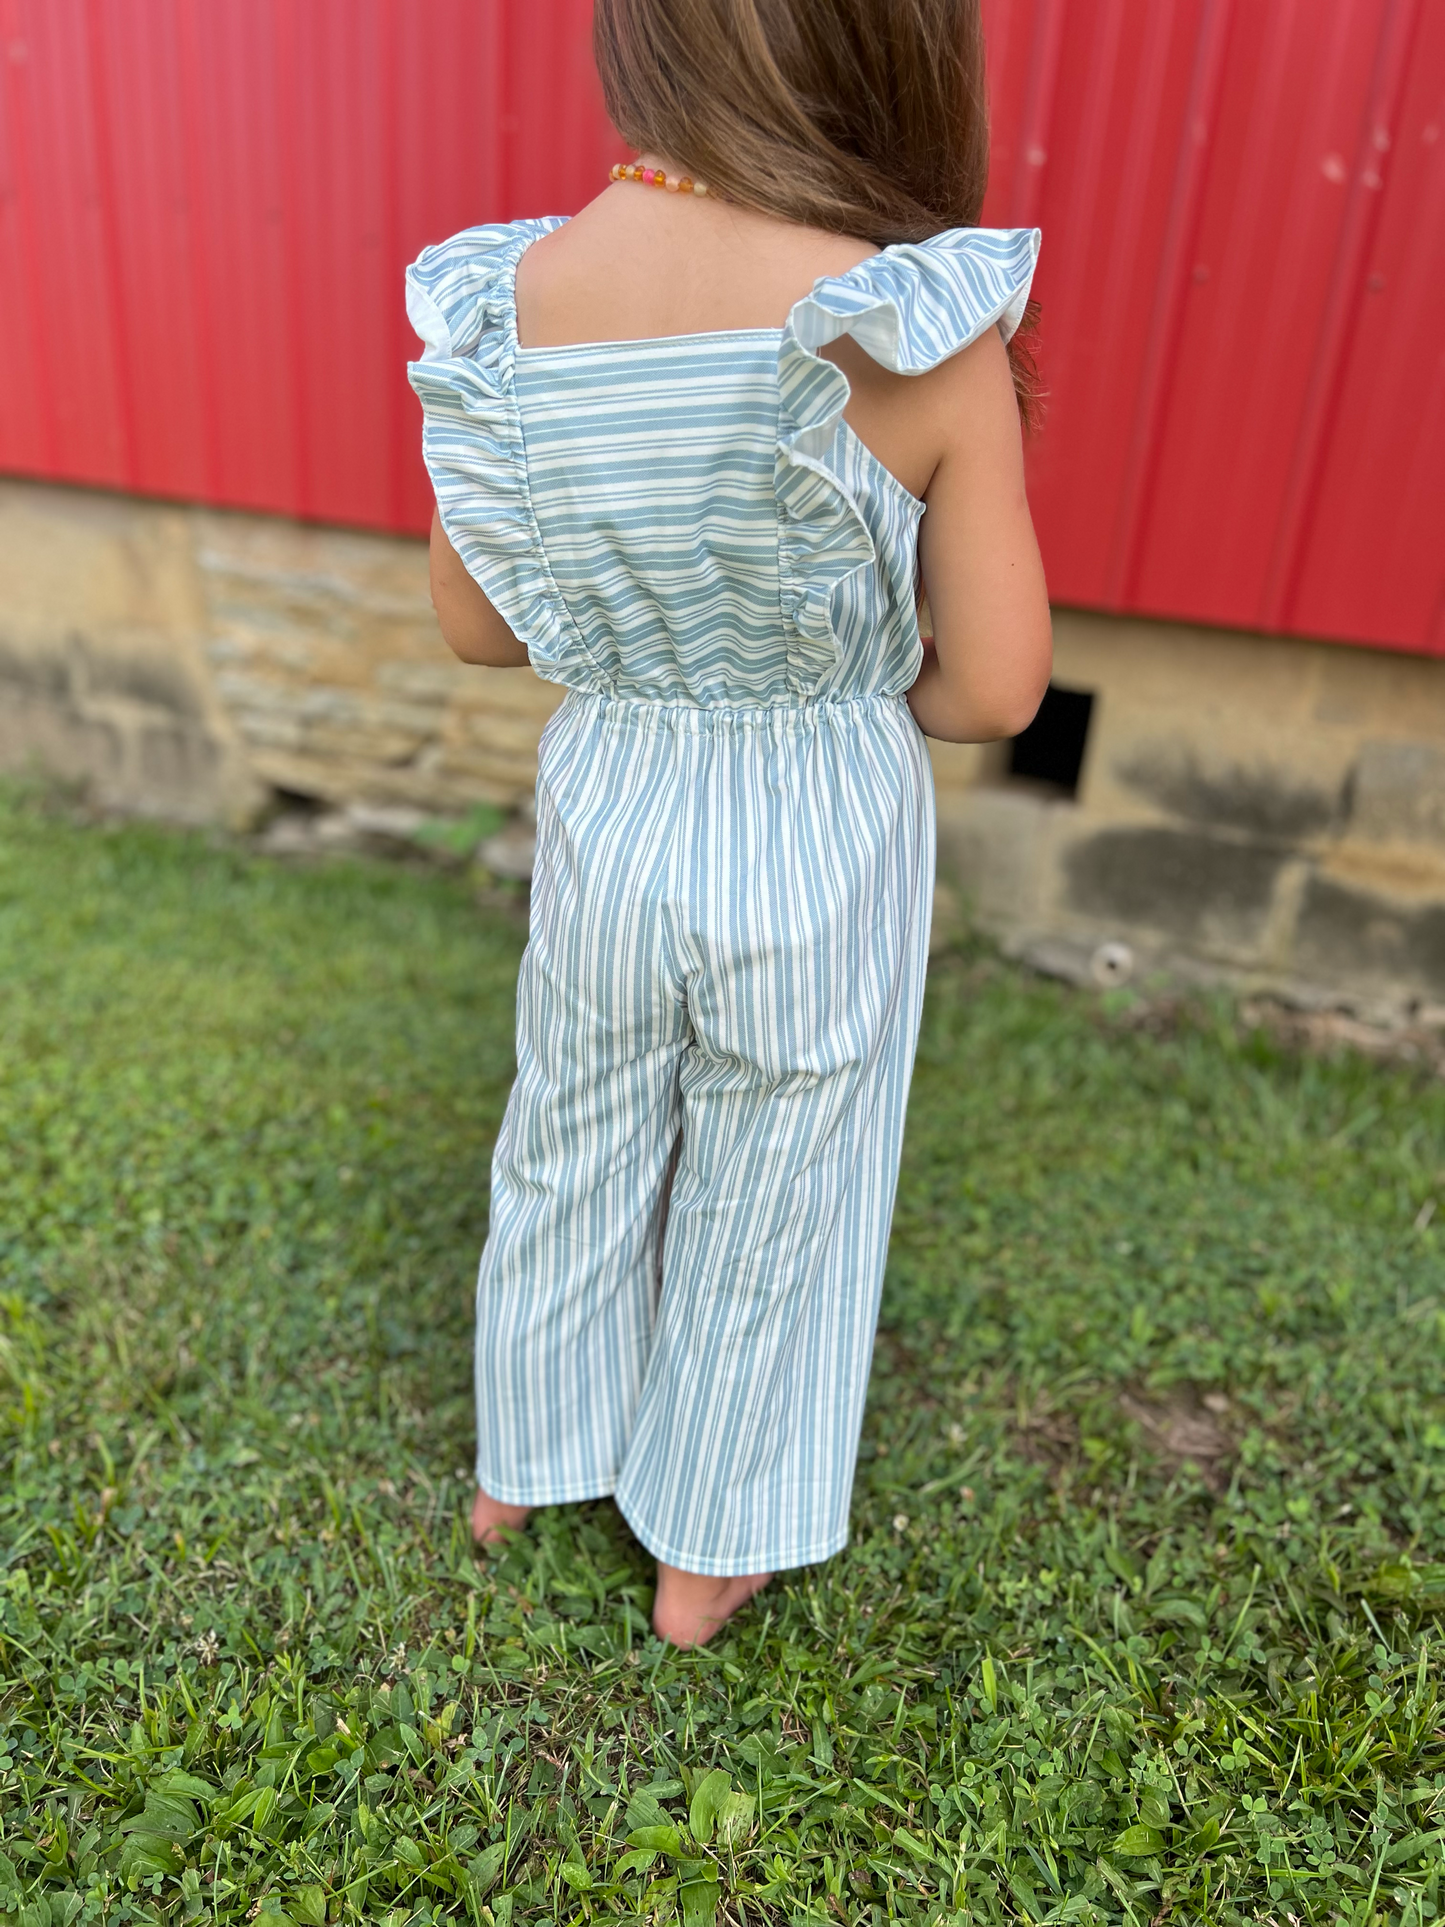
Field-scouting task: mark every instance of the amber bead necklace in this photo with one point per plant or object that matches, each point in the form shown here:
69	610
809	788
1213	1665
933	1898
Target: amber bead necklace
657	177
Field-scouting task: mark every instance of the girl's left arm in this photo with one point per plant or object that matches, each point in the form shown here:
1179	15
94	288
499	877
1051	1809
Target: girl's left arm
470	624
989	667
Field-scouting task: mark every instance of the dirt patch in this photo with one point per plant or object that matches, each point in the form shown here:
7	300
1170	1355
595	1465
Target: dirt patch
1186	1428
1419	1042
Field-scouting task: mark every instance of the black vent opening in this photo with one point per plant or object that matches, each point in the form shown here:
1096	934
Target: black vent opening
1051	750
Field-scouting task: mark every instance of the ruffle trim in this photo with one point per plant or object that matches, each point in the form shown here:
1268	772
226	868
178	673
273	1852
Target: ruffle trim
460	298
910	308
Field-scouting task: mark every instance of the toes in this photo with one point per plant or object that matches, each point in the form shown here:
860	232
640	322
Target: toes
686	1626
493	1522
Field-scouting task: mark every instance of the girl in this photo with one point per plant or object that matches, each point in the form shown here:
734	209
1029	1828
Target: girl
682	447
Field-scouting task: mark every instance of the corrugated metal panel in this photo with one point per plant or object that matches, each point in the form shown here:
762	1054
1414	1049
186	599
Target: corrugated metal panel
205	210
1370	558
1244	427
205	206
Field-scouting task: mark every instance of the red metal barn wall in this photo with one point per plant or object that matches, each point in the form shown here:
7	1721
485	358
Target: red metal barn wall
205	210
206	206
1243	277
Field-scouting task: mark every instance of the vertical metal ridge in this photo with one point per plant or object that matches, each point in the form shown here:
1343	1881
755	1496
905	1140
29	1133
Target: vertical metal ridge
1341	310
1033	147
507	62
18	27
97	64
1160	354
287	121
392	252
198	242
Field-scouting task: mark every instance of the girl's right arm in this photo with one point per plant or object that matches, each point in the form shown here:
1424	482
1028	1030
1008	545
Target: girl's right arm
471	627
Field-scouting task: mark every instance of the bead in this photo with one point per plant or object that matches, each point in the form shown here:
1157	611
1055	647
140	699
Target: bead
657	177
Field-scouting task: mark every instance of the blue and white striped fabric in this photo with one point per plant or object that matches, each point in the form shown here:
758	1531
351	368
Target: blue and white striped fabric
731	904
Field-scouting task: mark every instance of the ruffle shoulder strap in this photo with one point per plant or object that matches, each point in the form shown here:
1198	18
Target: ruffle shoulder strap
910	308
460	299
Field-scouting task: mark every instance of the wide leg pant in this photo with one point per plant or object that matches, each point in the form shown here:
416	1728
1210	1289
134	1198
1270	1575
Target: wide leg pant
728	945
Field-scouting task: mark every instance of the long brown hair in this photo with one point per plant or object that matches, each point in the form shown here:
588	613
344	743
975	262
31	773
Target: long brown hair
862	117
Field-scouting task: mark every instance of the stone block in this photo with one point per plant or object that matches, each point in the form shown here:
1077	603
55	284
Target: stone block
38	736
994	846
1185	884
358	743
1259	799
507	692
104	676
1398	793
442	681
1347	937
270	728
962	766
509	734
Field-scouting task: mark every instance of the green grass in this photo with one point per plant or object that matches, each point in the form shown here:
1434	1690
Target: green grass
248	1663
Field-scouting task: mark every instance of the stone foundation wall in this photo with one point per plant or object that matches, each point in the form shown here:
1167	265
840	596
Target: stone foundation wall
1268	809
189	663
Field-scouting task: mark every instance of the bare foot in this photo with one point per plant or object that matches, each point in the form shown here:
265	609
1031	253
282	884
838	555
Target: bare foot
689	1608
489	1514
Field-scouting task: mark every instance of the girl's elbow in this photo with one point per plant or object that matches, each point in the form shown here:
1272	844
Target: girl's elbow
987	719
1019	703
457	636
1013	716
481	645
1008	708
462	645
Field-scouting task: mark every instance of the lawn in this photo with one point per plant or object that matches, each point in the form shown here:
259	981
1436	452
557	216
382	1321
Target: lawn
1142	1618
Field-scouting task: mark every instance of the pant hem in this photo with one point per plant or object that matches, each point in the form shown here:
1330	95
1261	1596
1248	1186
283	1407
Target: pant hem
577	1494
729	1566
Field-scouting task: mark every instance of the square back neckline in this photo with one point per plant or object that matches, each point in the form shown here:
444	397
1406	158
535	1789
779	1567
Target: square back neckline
520	348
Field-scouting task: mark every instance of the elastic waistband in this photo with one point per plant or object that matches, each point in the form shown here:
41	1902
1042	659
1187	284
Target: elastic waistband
707	718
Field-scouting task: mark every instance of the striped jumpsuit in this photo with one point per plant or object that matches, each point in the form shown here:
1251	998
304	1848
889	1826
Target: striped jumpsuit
731	902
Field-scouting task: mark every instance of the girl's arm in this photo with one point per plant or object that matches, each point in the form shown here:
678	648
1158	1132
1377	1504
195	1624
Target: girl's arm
988	670
470	625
